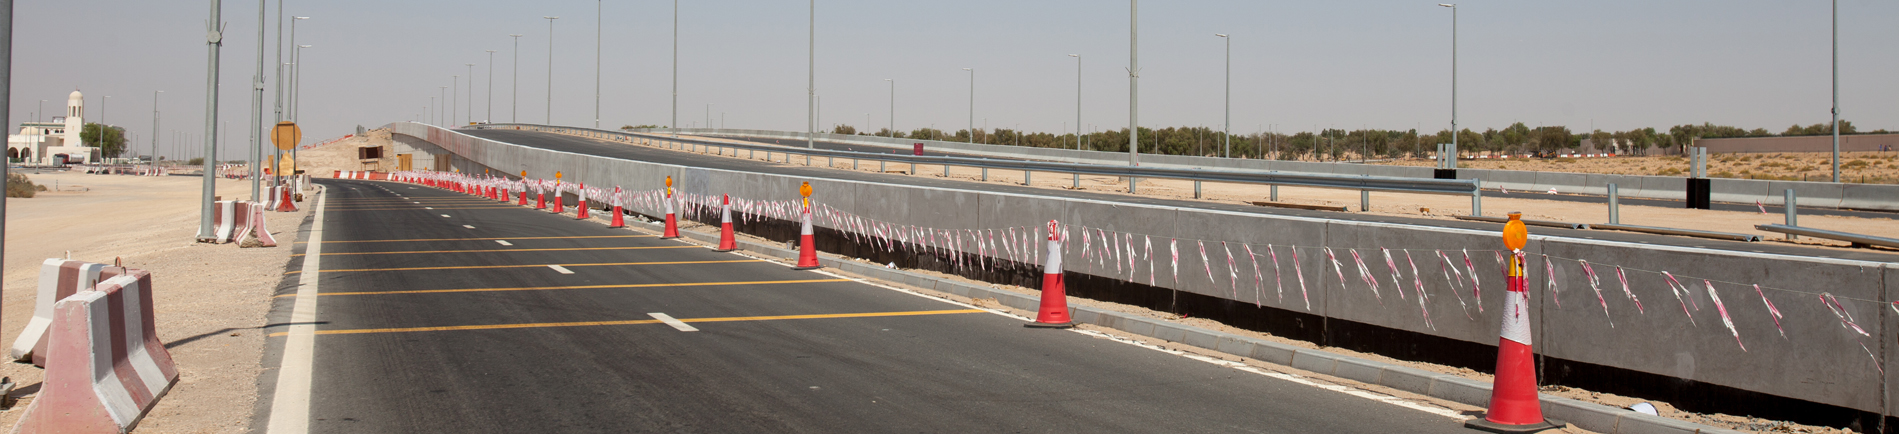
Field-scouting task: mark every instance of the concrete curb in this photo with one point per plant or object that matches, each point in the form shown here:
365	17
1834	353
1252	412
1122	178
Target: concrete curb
1589	416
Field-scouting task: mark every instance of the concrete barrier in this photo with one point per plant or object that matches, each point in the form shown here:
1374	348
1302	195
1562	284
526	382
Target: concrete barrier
1665	343
225	220
105	364
59	278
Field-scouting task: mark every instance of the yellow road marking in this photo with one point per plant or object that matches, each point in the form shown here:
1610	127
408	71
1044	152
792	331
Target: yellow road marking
506	250
551	288
472	267
639	321
491	239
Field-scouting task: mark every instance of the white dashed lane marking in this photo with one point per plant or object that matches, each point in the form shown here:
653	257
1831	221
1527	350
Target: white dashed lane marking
503	242
467	226
682	326
560	269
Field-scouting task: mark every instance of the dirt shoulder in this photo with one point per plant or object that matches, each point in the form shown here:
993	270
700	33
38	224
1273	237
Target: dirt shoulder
210	299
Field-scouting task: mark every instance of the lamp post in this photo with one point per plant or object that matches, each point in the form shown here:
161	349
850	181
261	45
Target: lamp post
214	43
1077	100
296	87
550	69
972	104
291	93
893	107
1836	91
1134	88
598	29
1448	160
469	113
257	106
675	123
1226	132
514	100
154	129
491	88
811	85
439	119
454	102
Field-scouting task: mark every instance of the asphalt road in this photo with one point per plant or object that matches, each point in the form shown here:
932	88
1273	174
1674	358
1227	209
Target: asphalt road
1564	197
440	313
631	152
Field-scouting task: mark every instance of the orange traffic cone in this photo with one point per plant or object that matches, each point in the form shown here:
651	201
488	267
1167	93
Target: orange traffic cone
523	192
619	218
580	212
807	242
672	221
727	240
558	195
1054	310
1514	407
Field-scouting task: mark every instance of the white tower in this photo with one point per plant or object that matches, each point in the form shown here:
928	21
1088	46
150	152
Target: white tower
75	112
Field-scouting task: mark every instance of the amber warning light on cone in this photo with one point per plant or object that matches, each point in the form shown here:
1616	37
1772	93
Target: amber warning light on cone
806	191
1515	236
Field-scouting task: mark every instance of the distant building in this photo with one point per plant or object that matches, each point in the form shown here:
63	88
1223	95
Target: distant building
43	142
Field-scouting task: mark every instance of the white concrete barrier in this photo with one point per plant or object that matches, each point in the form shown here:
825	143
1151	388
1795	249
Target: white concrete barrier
59	278
105	364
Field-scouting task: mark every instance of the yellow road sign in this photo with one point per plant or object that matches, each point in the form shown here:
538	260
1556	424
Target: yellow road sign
286	135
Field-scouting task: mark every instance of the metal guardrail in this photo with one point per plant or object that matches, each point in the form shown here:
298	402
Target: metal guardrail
1674	231
1858	240
1377	183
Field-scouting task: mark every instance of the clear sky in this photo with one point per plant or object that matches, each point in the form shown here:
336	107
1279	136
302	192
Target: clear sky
1379	64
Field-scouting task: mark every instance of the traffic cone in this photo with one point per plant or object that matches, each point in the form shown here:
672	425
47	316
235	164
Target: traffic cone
284	204
619	218
1054	310
727	240
558	195
540	198
580	212
672	222
1514	407
807	242
523	197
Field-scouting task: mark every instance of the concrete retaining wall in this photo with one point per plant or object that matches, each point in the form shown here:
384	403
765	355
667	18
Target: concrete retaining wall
1818	360
1823	194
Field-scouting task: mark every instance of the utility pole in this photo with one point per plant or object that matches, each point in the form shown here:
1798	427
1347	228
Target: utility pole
213	42
6	99
154	109
550	69
811	87
491	88
257	106
514	101
1077	100
1836	91
1134	87
972	104
675	124
598	29
469	116
1226	132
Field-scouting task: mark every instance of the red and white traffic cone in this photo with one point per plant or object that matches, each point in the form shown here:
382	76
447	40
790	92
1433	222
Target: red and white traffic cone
580	212
672	221
540	197
807	241
1514	407
558	195
619	218
1054	310
524	190
728	241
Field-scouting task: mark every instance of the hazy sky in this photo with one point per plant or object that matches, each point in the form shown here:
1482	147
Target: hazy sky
1379	64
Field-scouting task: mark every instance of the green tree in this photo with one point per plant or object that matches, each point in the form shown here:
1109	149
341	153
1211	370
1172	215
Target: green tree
109	140
844	129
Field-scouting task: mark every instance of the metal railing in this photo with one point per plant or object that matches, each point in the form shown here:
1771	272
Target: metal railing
1351	182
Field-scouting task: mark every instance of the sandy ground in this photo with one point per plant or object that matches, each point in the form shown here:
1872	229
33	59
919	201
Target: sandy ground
1855	167
210	299
1412	204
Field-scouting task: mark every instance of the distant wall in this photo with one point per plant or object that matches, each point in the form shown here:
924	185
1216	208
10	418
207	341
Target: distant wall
1848	143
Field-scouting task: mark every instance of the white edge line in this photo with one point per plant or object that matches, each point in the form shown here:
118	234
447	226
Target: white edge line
669	320
290	404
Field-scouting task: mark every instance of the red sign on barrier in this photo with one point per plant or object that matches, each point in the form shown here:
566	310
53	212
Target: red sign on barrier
919	149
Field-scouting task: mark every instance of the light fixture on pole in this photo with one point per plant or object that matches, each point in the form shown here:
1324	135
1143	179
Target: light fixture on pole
550	69
1226	132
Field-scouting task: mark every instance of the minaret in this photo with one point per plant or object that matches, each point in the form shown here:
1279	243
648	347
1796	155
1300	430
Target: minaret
75	122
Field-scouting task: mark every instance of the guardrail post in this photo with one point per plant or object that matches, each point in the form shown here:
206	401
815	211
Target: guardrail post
1477	201
1077	181
1274	189
1131	187
1196	190
1615	205
853	164
1025	178
880	166
985	174
830	162
807	160
1793	214
1364	200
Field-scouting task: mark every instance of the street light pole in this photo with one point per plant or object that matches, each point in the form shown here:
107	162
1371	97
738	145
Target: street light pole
454	102
491	88
1836	91
893	107
469	113
439	119
972	104
1227	131
1449	159
292	93
1134	87
1077	100
257	105
214	41
514	101
598	29
811	85
675	124
550	69
154	128
296	88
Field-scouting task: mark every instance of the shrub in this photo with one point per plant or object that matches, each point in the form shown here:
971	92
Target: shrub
1672	171
19	186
